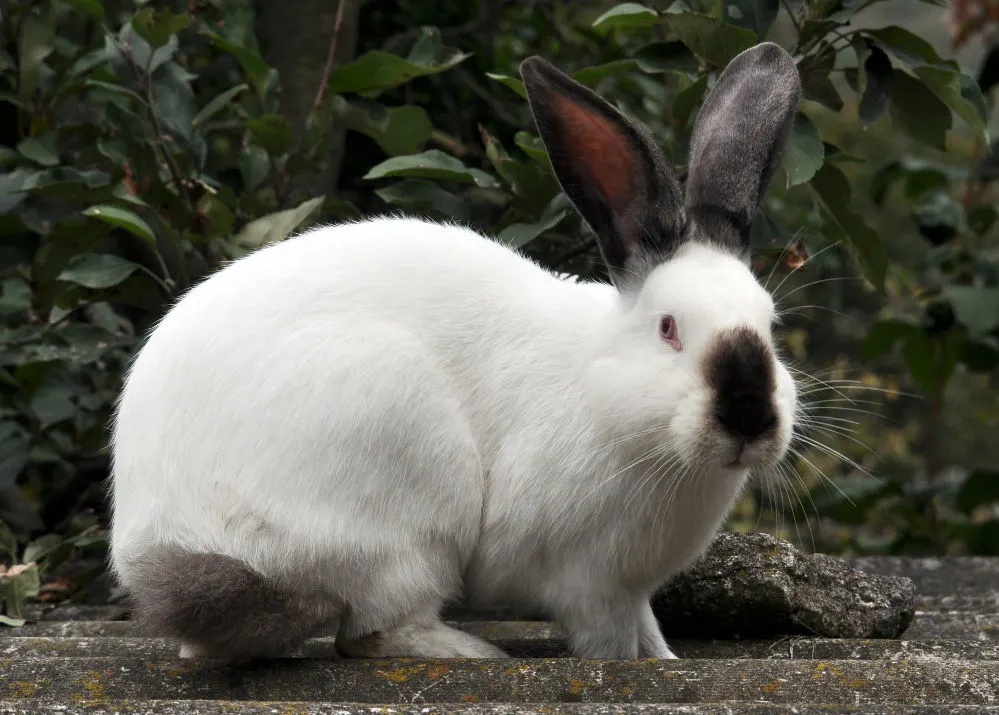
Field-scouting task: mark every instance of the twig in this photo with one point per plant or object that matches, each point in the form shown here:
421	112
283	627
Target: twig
794	19
453	145
317	105
145	81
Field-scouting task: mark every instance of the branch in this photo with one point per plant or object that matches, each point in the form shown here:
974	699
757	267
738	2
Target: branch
317	105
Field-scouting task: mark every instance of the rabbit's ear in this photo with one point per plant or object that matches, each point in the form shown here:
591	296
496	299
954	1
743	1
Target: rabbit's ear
739	135
611	169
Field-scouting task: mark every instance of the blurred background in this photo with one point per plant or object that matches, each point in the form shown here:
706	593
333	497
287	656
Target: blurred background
146	143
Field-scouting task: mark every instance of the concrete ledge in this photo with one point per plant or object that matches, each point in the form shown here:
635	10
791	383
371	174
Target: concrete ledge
902	681
936	625
539	644
208	707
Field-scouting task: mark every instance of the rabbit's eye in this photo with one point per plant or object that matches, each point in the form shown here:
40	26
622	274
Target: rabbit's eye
669	332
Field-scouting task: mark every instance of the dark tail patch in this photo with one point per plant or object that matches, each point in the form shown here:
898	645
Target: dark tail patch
221	606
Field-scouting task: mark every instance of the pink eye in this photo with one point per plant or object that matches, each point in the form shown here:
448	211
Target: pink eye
669	332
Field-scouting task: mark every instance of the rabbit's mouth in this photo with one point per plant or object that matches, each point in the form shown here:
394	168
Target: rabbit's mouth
749	454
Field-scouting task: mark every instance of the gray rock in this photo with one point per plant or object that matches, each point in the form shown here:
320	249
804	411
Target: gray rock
754	585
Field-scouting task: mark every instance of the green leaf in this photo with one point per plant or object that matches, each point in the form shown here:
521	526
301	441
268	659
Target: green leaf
36	43
982	218
930	362
115	89
89	61
686	100
174	99
14	459
816	85
877	89
254	166
884	335
433	164
957	94
589	76
217	104
218	219
6	61
534	184
92	270
916	110
18	584
977	308
376	70
832	189
62	177
156	25
8	543
979	489
710	39
91	7
756	15
421	195
520	234
626	15
277	226
513	83
971	91
41	149
672	56
261	74
909	48
805	153
122	218
532	145
398	130
586	76
938	216
12	622
272	131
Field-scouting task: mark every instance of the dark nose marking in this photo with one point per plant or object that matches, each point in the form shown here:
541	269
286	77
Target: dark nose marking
739	367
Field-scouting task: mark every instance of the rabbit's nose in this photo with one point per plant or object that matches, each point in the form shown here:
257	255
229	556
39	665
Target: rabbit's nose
747	416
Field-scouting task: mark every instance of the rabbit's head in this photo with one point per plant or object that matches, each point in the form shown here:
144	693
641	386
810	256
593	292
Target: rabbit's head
690	360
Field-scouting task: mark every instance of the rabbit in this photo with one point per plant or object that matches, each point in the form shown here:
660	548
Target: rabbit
343	432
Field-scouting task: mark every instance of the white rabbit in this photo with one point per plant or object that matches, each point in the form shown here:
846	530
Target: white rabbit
344	431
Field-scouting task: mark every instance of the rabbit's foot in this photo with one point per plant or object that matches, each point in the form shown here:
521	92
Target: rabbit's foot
425	639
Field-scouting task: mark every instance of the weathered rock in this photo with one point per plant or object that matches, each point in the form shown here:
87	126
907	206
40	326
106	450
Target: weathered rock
755	585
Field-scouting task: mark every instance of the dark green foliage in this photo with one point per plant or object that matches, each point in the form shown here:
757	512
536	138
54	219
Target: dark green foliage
143	148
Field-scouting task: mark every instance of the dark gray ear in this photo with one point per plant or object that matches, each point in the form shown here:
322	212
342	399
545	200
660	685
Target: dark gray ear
739	135
611	169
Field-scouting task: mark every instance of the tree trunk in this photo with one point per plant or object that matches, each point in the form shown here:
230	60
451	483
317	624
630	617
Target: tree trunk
297	37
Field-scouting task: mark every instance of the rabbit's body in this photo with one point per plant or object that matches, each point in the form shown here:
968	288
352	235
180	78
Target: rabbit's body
344	431
476	427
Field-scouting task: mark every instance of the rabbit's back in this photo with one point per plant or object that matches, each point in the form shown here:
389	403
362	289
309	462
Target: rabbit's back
307	408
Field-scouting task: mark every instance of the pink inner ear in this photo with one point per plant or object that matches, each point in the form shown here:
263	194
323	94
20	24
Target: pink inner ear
601	148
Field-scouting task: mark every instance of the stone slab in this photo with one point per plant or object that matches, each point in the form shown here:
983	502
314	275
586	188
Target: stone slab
208	707
933	625
795	648
938	577
901	681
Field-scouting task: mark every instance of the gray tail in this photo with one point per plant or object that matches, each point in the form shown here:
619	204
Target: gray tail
220	606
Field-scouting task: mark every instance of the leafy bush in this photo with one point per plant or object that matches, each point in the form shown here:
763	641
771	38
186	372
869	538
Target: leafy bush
146	147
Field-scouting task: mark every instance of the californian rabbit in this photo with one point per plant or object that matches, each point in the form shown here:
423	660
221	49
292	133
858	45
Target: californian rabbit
343	431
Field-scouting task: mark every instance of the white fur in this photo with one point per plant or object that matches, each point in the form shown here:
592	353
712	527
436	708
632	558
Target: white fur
396	412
